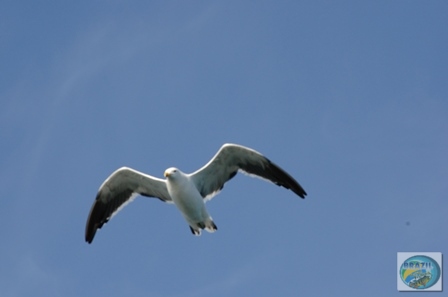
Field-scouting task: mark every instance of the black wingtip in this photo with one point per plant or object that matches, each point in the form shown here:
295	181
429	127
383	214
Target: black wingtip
297	188
301	194
94	220
286	180
90	234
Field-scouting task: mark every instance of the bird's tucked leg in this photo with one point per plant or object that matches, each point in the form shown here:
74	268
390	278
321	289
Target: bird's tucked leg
210	226
195	232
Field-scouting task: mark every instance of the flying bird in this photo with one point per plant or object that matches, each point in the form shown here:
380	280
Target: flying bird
188	192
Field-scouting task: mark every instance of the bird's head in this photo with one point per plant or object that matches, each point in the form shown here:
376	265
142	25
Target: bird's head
171	172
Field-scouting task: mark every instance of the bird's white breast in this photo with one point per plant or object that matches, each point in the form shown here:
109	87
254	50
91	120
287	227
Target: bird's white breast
186	197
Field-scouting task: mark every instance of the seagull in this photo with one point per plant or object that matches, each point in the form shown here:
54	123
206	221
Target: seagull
188	192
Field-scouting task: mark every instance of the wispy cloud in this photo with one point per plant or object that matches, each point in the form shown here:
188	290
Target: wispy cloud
249	271
29	277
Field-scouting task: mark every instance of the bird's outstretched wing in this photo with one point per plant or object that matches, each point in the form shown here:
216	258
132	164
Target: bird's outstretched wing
232	158
120	188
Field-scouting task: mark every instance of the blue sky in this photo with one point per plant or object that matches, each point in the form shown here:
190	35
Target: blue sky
350	98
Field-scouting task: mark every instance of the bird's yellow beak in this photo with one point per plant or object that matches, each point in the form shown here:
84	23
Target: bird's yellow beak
166	174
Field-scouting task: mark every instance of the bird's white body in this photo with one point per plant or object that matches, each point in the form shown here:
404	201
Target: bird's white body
188	200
